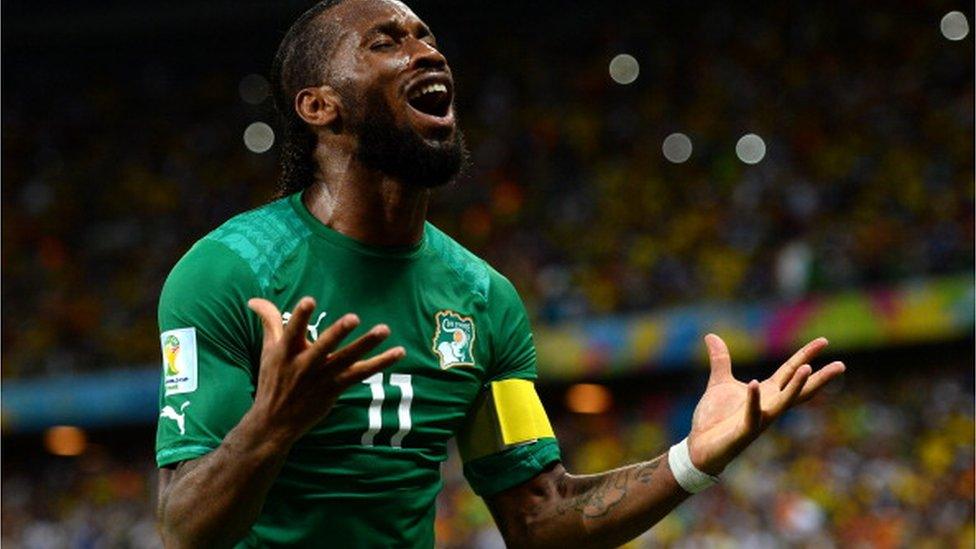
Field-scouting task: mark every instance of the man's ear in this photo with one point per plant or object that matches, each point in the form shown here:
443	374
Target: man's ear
318	106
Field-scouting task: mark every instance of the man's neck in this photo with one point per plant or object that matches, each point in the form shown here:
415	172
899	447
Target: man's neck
364	204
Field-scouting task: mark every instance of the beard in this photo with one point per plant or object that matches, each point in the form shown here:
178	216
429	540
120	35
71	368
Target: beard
400	152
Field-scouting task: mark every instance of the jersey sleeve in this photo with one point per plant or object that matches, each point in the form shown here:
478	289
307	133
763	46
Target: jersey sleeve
507	438
209	340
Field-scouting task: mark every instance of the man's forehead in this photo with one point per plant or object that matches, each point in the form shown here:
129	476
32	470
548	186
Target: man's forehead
361	14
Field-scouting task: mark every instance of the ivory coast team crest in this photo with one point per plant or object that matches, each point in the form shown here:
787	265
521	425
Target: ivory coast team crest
454	339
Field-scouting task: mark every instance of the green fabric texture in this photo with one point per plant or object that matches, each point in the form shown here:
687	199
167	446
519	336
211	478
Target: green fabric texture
357	479
495	473
263	238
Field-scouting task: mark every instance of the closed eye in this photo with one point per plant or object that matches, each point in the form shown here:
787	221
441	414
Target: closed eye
390	33
383	44
423	33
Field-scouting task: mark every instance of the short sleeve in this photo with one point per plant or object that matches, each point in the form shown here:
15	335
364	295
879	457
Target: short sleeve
498	472
507	406
513	350
209	342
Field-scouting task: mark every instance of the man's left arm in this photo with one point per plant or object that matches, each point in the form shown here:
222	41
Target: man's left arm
608	509
555	508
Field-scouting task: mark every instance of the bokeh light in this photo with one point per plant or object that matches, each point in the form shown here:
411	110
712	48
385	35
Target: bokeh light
254	89
954	25
258	137
624	69
65	440
588	398
750	148
677	148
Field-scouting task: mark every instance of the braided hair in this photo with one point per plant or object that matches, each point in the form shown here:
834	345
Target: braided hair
300	63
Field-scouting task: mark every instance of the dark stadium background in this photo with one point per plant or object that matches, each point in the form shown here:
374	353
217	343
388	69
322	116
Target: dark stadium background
122	128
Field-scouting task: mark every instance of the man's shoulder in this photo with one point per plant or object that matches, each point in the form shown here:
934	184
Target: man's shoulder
259	239
474	271
261	231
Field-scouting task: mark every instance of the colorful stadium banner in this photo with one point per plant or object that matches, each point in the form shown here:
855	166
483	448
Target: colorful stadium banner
914	312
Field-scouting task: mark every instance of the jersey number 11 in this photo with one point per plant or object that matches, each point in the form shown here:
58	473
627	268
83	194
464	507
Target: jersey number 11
375	382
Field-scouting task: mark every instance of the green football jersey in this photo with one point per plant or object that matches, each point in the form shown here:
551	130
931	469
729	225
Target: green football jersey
368	474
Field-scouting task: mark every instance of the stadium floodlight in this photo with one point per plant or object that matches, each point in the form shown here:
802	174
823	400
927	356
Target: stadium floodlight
954	25
65	440
258	137
589	398
750	148
624	69
677	147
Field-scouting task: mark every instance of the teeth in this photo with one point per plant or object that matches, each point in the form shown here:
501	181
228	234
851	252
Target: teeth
430	88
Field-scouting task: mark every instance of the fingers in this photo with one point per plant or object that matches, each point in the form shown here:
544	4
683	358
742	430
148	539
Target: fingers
718	359
298	322
753	420
270	318
789	394
784	374
332	337
364	344
821	378
365	368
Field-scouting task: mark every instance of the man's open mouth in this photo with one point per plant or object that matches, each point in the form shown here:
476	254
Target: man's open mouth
432	98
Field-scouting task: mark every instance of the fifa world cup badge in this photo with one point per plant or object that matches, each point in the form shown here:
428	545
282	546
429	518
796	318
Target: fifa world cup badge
179	360
454	339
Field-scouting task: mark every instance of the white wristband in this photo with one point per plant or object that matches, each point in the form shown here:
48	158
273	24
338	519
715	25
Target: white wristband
685	472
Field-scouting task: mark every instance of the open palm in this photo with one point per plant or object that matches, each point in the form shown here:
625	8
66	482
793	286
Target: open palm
731	414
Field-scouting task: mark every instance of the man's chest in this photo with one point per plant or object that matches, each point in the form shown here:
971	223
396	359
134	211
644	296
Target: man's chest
421	401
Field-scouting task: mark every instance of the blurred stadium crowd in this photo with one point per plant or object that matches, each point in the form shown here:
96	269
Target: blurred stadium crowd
867	120
877	464
116	159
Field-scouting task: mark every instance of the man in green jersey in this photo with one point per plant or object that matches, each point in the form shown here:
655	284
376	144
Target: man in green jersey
273	432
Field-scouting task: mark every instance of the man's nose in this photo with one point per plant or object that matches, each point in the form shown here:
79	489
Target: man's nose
425	56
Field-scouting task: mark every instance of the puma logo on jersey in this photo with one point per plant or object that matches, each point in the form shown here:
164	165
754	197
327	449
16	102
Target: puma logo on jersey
313	329
169	412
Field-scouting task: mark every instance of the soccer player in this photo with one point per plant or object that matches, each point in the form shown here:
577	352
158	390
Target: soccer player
274	431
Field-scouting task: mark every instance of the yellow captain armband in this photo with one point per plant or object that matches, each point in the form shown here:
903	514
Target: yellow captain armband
507	414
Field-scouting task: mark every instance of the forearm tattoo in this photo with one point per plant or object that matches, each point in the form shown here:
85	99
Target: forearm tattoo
646	470
596	496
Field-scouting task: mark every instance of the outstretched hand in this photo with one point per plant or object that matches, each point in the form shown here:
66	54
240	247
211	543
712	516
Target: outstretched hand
300	380
731	414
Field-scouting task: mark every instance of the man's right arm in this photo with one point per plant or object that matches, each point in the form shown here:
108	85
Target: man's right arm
212	501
